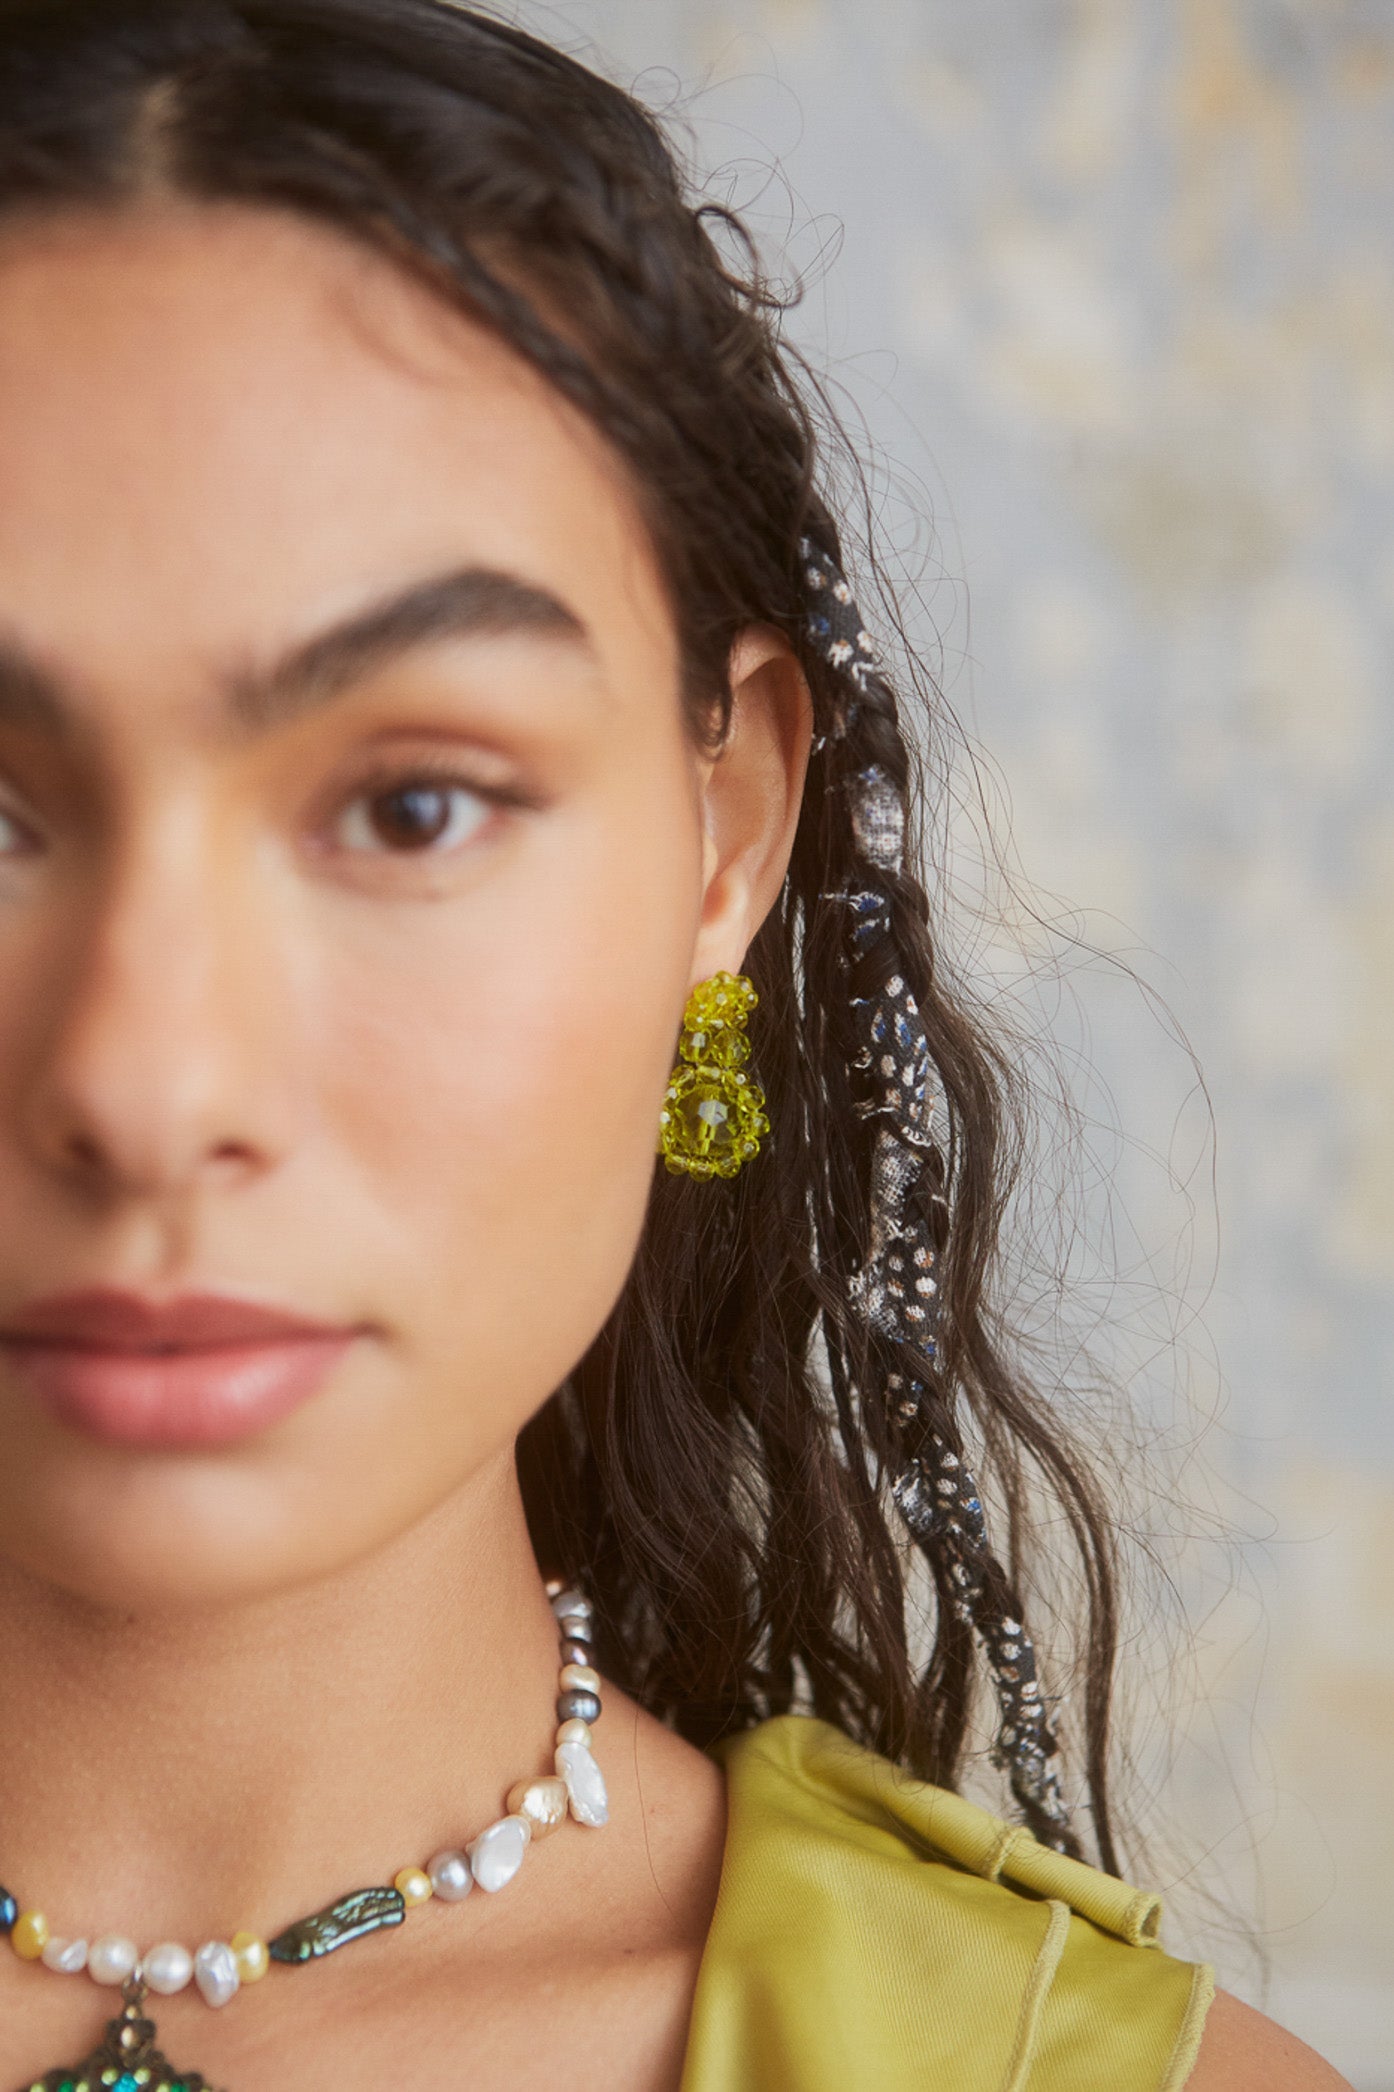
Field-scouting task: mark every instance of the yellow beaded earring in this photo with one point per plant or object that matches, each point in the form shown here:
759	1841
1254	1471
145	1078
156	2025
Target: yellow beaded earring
713	1115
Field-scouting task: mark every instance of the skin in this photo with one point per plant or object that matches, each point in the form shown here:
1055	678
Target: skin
246	1045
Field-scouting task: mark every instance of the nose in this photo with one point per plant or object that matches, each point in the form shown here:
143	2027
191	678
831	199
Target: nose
158	1065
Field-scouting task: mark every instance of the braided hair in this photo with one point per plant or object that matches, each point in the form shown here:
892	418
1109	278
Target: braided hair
764	1454
894	1290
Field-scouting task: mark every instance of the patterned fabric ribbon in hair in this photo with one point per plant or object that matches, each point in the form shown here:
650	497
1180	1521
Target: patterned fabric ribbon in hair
895	1291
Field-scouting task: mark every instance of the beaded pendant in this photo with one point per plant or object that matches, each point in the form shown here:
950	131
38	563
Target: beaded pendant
126	2061
713	1116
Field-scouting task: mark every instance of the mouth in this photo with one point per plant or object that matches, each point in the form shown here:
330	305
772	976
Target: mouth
198	1370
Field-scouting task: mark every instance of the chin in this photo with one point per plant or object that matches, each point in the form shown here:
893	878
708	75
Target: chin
159	1534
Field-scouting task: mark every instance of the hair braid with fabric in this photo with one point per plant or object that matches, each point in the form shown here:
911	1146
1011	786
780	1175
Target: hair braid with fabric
894	1289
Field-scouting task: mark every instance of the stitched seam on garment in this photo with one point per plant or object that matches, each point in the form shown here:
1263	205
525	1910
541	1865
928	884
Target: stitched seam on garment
1042	1976
1187	2049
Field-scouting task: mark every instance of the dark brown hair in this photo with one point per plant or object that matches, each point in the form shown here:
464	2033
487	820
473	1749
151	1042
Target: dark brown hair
716	1466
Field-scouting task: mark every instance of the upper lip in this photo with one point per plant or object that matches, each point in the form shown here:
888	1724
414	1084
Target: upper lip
109	1319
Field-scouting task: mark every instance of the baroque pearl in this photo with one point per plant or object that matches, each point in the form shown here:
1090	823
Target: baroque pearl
112	1958
575	1731
215	1971
585	1784
168	1968
497	1853
542	1801
252	1956
450	1876
572	1604
414	1884
65	1955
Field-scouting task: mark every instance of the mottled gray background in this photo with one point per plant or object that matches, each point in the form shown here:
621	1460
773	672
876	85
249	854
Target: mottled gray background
1110	282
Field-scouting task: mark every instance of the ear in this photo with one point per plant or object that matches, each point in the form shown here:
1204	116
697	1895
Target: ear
751	796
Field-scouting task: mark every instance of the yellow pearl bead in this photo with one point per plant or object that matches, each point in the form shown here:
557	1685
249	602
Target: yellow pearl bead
414	1885
542	1802
574	1730
251	1955
29	1934
578	1677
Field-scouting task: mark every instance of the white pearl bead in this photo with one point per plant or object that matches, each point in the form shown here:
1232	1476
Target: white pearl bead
67	1956
215	1971
585	1783
168	1968
112	1958
450	1876
497	1853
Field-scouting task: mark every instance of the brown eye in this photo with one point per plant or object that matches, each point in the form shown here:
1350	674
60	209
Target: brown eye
418	814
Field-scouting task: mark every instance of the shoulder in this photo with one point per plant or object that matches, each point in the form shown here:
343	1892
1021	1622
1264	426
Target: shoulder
871	1927
1243	2052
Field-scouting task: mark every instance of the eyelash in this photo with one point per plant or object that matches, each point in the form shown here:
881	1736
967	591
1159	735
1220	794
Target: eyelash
443	777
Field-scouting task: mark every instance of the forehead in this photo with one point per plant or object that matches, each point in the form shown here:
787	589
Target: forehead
221	426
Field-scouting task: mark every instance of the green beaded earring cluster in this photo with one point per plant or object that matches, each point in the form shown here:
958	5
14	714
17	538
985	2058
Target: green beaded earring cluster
713	1116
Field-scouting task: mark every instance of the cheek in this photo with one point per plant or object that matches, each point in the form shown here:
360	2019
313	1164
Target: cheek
495	1066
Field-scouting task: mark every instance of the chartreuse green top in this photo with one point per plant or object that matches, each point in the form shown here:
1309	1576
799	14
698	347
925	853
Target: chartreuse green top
874	1931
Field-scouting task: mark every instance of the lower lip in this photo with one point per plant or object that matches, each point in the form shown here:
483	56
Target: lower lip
193	1398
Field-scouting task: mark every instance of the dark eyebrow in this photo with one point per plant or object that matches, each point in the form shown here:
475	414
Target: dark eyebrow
470	602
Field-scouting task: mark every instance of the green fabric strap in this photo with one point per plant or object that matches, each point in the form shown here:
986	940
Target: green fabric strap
873	1930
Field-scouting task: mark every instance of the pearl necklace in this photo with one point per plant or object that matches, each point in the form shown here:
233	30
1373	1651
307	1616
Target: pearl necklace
127	2060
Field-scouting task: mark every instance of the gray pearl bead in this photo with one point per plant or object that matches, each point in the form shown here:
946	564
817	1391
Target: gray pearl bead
571	1601
575	1652
578	1706
450	1876
576	1627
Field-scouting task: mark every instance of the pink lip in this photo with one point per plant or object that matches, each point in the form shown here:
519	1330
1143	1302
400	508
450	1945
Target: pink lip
203	1369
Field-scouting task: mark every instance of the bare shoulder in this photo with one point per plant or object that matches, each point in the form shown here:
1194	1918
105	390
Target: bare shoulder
1242	2051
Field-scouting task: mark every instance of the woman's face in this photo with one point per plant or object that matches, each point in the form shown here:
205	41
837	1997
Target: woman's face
342	953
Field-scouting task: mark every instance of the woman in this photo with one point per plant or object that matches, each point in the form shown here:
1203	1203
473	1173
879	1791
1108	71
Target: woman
429	690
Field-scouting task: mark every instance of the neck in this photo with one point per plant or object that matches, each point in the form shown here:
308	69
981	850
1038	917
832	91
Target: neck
185	1775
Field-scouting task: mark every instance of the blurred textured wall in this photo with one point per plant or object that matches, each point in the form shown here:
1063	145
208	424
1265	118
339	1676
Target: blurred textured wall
1116	291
